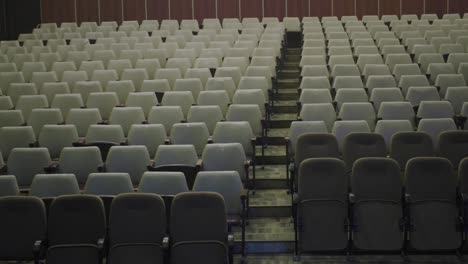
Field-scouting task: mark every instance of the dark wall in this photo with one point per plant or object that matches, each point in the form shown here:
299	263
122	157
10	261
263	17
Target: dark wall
18	16
118	10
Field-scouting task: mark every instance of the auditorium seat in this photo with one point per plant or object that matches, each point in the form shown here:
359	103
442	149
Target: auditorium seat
57	137
23	224
428	180
82	237
361	145
8	186
145	241
66	102
40	117
374	180
330	210
388	128
164	183
452	146
133	160
49	186
319	112
104	102
229	185
419	94
84	88
195	134
181	158
24	163
15	137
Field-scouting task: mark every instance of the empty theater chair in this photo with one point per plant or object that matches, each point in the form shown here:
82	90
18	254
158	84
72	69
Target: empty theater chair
164	183
323	203
82	237
23	223
362	145
374	180
431	188
15	137
8	186
24	163
207	238
145	241
452	146
133	160
57	137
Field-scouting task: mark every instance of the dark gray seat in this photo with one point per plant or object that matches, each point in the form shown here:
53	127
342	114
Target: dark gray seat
377	209
453	145
360	145
321	217
23	222
205	238
137	227
76	230
407	145
431	204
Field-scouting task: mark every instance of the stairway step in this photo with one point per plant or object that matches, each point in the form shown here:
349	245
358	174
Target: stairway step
287	94
288	83
281	123
291	66
284	108
293	73
271	229
293	58
278	132
293	51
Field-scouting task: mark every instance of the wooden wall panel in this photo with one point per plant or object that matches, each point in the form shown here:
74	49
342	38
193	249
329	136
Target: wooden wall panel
205	9
228	9
389	7
134	10
275	8
320	8
367	7
111	10
458	6
251	8
344	8
438	7
58	11
412	7
87	10
181	9
298	8
158	9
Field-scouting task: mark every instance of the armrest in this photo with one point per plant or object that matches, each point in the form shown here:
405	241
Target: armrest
407	198
34	145
352	198
103	122
210	140
101	169
230	240
145	122
244	195
167	141
37	249
199	164
53	168
100	244
165	243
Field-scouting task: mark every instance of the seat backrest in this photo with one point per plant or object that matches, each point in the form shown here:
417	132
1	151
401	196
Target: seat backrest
144	213
453	145
176	155
235	132
108	184
57	137
226	183
89	157
8	186
361	145
195	134
15	137
23	222
130	159
53	185
215	157
315	145
208	227
407	145
76	219
24	163
163	183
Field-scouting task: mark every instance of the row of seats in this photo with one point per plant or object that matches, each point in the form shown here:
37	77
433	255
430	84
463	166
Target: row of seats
107	157
75	229
375	210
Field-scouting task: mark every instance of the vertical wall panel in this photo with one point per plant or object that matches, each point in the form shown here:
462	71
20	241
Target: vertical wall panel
228	9
134	10
367	7
181	9
438	7
320	8
275	8
298	8
111	10
87	10
458	6
58	11
412	7
158	9
205	9
344	8
389	7
251	8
